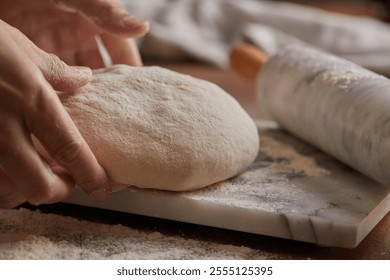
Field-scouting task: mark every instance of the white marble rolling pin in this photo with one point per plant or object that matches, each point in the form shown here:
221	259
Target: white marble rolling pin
331	103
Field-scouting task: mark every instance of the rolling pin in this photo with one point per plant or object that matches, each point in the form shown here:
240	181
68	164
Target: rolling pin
333	104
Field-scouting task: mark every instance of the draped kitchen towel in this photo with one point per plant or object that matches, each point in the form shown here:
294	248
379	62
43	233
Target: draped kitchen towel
205	30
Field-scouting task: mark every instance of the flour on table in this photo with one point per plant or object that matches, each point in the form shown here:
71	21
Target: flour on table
27	235
153	128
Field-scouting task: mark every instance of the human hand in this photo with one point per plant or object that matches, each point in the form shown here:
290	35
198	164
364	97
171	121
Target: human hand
30	109
68	28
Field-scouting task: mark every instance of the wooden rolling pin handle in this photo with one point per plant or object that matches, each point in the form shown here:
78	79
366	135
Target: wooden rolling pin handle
247	60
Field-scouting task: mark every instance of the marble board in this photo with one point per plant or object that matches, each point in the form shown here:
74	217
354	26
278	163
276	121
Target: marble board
291	191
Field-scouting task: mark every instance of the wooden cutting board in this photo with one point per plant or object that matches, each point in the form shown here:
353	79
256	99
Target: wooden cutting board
291	191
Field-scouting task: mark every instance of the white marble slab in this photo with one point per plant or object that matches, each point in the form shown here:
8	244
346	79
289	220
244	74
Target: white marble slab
291	191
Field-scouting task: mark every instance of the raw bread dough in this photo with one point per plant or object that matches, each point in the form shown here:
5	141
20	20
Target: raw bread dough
154	128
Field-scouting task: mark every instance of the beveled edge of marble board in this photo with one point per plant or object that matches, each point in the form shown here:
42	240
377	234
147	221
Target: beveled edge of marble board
167	205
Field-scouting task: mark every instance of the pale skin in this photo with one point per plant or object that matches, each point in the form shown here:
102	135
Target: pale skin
37	37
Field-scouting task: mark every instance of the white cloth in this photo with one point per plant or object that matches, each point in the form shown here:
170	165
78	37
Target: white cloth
207	29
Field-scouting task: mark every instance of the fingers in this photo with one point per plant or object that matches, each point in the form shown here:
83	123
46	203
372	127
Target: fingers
29	106
114	25
33	178
88	54
108	15
52	126
27	173
61	76
121	50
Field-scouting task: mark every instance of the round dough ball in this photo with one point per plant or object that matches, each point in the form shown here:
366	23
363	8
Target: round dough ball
153	128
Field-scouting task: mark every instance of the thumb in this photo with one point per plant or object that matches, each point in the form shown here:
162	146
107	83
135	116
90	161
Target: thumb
61	76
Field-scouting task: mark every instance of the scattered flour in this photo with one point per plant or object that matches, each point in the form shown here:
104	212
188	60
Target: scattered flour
342	79
293	159
27	234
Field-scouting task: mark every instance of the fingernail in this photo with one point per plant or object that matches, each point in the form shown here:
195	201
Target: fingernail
100	195
135	23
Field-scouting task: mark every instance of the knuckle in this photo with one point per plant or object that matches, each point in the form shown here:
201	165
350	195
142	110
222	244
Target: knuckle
49	191
37	107
28	99
69	152
35	99
55	64
107	9
45	195
87	182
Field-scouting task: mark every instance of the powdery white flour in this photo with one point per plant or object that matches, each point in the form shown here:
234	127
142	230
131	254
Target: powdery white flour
154	128
27	234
